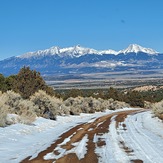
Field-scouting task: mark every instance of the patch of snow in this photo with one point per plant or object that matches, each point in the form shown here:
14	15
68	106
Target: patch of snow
154	125
106	152
111	152
100	123
80	129
143	135
110	51
51	155
110	64
115	138
80	147
104	64
67	139
12	118
90	129
145	140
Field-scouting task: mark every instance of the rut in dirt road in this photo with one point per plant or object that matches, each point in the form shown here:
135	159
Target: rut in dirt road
81	143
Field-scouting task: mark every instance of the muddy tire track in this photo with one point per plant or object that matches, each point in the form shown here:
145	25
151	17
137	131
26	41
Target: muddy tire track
98	127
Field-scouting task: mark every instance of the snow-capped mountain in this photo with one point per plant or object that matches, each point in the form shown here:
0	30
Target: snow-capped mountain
77	60
109	51
78	51
134	48
75	51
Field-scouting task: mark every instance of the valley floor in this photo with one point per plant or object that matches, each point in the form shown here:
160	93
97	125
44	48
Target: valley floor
123	136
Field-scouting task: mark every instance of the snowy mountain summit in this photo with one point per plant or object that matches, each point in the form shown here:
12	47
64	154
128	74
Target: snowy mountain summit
134	48
78	51
75	51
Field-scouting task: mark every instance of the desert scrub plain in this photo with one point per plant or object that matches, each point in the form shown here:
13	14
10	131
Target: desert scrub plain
25	96
15	109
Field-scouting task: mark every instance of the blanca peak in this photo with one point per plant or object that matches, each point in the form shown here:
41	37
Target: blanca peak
134	48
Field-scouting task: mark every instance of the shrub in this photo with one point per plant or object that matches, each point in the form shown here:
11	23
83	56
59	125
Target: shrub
6	83
47	106
77	105
3	113
26	111
12	103
90	105
13	108
0	93
28	82
158	109
2	83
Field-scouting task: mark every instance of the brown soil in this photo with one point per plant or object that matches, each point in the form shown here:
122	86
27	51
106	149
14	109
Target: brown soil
101	142
99	127
126	149
137	161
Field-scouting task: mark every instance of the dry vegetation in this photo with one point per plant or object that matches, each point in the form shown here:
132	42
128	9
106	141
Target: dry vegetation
90	105
157	108
26	96
12	103
157	104
14	109
146	88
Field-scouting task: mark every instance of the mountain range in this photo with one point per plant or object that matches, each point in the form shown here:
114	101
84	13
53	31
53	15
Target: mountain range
78	60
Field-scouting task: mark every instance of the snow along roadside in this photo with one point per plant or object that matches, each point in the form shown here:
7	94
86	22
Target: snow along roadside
19	141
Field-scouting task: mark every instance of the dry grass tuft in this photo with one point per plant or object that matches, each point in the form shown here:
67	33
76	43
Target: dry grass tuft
12	103
158	109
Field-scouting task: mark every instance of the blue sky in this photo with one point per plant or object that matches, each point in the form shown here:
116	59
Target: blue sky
30	25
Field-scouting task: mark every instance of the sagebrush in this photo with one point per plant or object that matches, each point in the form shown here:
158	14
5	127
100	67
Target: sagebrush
13	108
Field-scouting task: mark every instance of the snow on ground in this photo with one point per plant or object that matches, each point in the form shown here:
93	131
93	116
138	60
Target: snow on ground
79	148
143	137
111	152
19	141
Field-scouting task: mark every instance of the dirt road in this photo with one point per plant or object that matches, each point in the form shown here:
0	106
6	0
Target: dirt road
111	138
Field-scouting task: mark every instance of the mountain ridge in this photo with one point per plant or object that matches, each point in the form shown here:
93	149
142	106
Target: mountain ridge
80	60
77	51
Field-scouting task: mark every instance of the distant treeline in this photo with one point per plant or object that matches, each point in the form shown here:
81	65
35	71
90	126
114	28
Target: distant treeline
28	81
134	98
